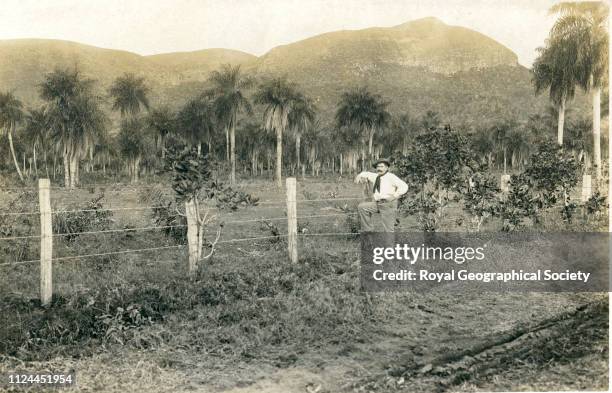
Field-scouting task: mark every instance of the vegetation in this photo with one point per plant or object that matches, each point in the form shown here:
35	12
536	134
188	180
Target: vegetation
238	127
577	55
73	126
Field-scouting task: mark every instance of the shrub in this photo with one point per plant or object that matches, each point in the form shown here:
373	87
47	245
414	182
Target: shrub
18	225
548	178
436	167
91	217
480	198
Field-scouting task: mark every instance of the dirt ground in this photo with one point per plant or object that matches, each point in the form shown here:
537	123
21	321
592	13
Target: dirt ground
397	356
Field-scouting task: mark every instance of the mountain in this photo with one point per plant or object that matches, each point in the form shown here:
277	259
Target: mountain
24	63
417	66
427	43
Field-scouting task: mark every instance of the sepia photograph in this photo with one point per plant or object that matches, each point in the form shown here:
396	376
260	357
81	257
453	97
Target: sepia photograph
304	196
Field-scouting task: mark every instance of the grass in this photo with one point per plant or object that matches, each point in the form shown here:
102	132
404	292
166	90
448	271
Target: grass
248	314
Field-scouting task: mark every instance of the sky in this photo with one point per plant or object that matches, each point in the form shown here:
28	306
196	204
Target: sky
255	26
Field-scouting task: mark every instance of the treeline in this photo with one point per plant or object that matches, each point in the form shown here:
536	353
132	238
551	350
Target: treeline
271	125
254	128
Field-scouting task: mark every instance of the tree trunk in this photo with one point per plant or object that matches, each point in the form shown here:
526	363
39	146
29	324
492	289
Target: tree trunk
66	169
371	139
298	140
10	138
561	122
341	163
35	164
233	149
162	142
73	169
363	159
227	146
199	148
596	135
77	170
46	164
137	169
505	161
279	158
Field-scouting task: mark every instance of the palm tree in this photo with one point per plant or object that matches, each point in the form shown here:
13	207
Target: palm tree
36	132
315	137
278	97
554	69
585	23
501	138
132	144
519	145
300	117
578	140
483	144
405	128
129	94
365	110
228	90
252	139
195	122
162	122
75	117
10	114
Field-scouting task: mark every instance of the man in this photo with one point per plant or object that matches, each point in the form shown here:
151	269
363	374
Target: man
387	189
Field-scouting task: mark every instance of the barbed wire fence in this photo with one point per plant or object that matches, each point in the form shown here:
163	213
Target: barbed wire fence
46	235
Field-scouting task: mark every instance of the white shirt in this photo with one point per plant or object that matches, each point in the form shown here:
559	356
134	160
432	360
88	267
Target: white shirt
391	186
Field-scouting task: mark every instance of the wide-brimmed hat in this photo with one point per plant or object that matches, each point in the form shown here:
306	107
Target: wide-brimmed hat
382	161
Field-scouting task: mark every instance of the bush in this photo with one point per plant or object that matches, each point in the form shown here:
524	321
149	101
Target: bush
12	225
436	168
317	299
91	217
548	179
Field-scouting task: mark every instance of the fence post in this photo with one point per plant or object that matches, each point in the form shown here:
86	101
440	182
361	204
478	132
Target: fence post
46	242
192	235
292	219
586	188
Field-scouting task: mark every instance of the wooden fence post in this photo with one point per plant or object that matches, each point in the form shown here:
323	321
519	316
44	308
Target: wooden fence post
192	236
586	188
292	219
46	242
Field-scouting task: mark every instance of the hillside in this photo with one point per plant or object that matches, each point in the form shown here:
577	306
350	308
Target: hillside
23	64
417	66
427	43
198	64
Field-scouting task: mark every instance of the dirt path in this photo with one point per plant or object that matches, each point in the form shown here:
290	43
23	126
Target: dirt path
568	350
435	347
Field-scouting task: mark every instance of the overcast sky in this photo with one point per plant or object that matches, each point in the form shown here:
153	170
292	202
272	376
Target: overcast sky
256	26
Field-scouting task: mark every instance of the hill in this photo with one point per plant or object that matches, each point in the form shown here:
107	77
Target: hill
24	63
417	66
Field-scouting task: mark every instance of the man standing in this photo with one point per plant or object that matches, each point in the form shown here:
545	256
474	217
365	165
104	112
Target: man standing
387	190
